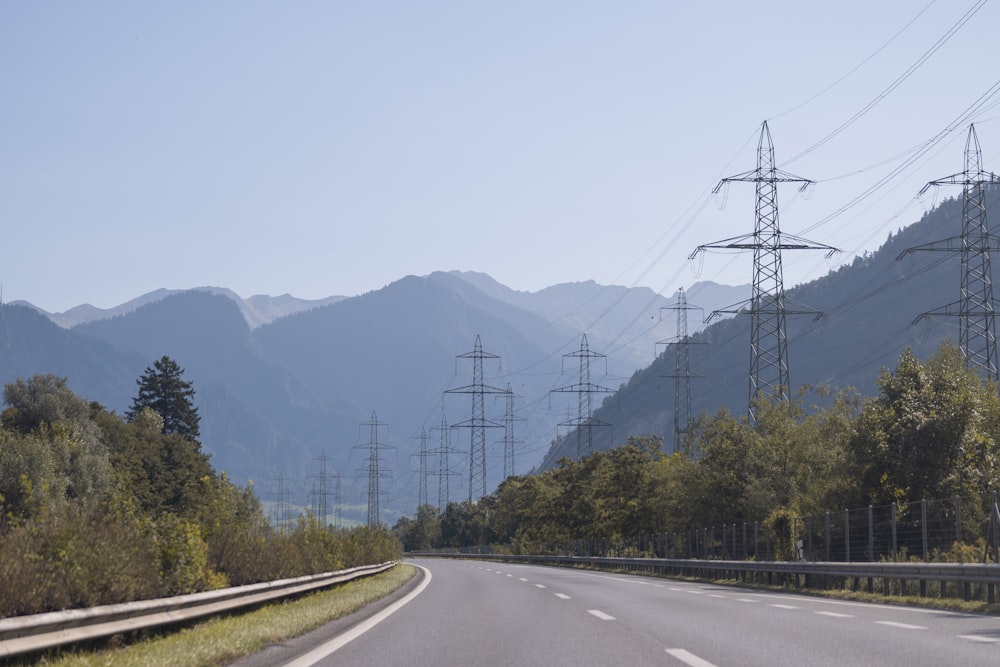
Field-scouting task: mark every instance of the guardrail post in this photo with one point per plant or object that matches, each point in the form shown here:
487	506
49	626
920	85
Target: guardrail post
756	538
734	541
745	555
847	536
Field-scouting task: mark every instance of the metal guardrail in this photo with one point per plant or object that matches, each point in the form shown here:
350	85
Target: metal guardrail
37	632
810	571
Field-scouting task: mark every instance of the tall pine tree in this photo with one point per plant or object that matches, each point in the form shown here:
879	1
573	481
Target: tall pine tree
163	389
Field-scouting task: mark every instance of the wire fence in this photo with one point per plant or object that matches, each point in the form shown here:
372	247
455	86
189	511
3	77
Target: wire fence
946	530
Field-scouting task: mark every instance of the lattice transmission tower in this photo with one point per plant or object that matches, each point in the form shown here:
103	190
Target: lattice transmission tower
375	470
422	469
444	452
477	423
320	495
682	368
975	308
584	423
767	307
509	441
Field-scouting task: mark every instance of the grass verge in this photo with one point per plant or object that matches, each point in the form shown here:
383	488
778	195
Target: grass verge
221	640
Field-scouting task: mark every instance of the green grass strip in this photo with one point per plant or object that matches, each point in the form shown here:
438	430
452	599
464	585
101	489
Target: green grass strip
222	640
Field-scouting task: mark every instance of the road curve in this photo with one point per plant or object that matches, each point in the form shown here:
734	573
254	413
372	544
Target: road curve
474	613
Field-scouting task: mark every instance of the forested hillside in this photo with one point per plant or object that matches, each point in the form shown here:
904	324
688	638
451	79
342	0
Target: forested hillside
867	308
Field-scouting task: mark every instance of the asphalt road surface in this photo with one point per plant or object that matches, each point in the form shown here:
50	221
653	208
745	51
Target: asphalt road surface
472	613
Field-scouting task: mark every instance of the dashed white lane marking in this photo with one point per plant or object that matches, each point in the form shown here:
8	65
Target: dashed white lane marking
696	592
511	576
522	578
980	638
688	658
600	614
833	614
677	590
745	600
716	595
783	606
562	596
539	585
903	626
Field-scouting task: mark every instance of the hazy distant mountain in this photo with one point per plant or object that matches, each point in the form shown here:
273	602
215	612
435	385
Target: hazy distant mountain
257	310
626	324
307	381
868	307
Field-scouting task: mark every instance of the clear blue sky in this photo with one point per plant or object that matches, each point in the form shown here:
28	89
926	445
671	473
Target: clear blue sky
323	148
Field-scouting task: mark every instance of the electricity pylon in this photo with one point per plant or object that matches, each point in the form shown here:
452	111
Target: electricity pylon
376	469
584	389
509	441
422	470
478	423
975	308
444	473
320	506
682	369
766	306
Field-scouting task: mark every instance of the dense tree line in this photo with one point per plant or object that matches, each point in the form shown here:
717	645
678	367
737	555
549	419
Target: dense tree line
96	508
933	431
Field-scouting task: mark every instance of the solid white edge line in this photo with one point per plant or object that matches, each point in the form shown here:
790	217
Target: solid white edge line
601	615
688	658
322	651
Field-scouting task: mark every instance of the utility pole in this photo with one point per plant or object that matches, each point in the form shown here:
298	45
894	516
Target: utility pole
584	389
975	308
682	369
478	423
444	452
766	306
376	469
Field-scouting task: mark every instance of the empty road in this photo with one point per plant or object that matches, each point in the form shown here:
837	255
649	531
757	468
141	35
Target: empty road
474	613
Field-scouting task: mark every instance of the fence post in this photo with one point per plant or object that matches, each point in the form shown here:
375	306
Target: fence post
923	526
995	516
871	534
958	519
894	531
745	540
756	538
826	535
809	530
734	542
847	536
725	544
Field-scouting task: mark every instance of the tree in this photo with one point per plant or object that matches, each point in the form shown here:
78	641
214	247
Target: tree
162	389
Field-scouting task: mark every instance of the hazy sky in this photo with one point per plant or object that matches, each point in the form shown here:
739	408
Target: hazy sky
323	148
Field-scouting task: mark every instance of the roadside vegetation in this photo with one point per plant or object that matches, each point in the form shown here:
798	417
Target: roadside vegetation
932	432
98	509
219	641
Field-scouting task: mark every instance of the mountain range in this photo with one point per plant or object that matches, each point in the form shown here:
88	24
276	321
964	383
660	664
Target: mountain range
282	383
